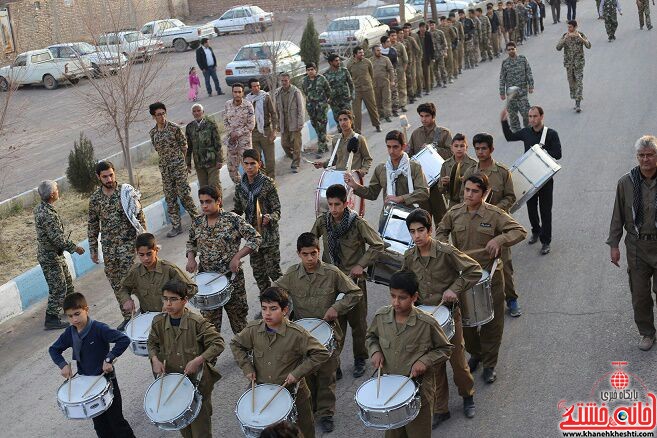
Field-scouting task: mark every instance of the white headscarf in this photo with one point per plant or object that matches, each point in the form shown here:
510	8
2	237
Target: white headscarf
404	168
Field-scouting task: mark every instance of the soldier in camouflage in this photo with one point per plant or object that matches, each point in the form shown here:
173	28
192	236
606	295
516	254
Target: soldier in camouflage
470	56
461	46
643	7
317	90
572	43
439	54
171	145
204	145
239	122
215	237
400	68
257	198
521	14
608	10
486	36
108	218
516	72
342	86
477	37
51	245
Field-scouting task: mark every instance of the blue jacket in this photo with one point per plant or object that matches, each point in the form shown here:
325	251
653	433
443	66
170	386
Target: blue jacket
95	348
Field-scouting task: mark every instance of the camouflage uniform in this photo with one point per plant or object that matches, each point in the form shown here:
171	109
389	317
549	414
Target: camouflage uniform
266	262
517	72
171	145
342	90
216	245
107	218
413	52
608	9
470	35
451	37
521	14
573	60
241	120
477	39
204	144
51	245
643	7
383	79
486	36
439	51
400	71
318	95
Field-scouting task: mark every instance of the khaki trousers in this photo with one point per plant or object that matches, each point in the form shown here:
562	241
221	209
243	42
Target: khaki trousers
383	98
421	426
322	387
366	96
209	176
265	147
357	319
642	272
291	142
509	286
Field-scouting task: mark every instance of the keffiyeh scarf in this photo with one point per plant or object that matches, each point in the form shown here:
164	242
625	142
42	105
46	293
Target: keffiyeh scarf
258	102
336	231
404	168
251	192
131	205
637	202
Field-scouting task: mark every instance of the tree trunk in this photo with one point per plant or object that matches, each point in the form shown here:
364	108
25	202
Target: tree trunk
127	160
426	9
434	11
402	12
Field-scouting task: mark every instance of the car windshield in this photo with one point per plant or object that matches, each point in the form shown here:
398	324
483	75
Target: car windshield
253	53
257	10
177	23
337	25
386	12
132	37
416	2
84	48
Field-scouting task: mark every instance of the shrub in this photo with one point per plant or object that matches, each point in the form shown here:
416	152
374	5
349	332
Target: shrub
81	166
310	48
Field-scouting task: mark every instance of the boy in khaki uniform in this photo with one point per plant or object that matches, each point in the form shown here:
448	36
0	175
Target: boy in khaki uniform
189	344
314	287
404	340
351	244
259	346
146	279
502	196
481	230
443	274
453	170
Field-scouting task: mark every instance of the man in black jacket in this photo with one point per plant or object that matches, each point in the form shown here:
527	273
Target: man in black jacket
510	22
531	135
207	62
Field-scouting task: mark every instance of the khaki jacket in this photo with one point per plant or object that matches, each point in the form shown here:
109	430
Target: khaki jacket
446	170
379	180
422	136
501	185
362	73
623	216
362	160
291	108
383	69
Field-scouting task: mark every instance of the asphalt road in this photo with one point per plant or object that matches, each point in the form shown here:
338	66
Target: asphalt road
577	312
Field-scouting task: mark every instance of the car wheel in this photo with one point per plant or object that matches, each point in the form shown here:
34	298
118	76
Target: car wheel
263	28
74	81
4	84
250	28
49	82
194	45
180	45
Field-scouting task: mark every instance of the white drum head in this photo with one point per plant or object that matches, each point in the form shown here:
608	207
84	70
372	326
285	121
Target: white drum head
79	385
485	276
330	177
176	405
322	333
442	314
217	285
277	410
366	394
139	327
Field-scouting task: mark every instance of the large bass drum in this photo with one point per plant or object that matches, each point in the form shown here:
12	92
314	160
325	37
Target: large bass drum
330	177
431	163
531	172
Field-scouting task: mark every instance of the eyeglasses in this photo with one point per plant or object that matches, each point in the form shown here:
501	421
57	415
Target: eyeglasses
170	299
646	156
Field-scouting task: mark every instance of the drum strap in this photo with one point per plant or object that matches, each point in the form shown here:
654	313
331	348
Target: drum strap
543	135
335	152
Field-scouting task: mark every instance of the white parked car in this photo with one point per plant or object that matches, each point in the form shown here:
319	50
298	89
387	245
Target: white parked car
389	14
131	43
174	33
101	62
443	6
250	19
40	67
255	61
345	33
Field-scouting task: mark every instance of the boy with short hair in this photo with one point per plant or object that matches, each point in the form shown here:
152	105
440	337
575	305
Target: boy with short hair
146	279
90	341
276	336
189	344
404	340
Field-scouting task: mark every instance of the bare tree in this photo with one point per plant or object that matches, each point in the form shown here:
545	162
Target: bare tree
402	12
119	93
8	151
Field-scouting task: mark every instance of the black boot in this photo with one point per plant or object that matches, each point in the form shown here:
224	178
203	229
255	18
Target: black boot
54	323
469	407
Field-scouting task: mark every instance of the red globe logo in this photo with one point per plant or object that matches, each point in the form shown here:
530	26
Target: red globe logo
619	380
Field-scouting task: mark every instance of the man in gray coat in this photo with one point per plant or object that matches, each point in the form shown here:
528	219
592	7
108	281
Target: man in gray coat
290	107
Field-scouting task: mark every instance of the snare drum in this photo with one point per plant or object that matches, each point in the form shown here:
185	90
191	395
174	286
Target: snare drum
323	333
98	399
477	303
214	291
280	409
431	163
398	412
397	240
180	410
530	172
330	177
444	318
138	330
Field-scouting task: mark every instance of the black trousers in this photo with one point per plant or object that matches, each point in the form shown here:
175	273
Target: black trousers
111	424
572	9
542	201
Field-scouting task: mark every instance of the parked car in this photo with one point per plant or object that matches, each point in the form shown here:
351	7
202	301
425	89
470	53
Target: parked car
389	14
250	19
131	43
345	33
40	67
101	62
257	61
443	6
174	33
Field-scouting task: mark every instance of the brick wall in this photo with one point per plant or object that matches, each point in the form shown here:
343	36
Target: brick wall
58	21
212	8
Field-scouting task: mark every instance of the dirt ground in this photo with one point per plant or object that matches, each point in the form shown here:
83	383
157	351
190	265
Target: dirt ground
18	236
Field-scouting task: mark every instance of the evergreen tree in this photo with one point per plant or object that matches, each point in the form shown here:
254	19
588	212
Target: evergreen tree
310	48
81	170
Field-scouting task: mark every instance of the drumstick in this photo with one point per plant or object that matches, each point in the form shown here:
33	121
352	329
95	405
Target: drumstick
223	274
70	365
132	325
159	395
176	387
307	160
378	381
97	380
437	307
398	389
252	395
271	399
317	326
